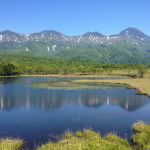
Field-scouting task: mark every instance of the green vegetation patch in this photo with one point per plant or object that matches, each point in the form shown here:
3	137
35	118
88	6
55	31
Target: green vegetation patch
90	140
10	144
141	136
87	140
29	64
70	85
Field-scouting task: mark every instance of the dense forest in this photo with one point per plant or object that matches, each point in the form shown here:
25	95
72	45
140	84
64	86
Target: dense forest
23	64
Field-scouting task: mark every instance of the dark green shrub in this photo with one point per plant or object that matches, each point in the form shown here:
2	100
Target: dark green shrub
10	69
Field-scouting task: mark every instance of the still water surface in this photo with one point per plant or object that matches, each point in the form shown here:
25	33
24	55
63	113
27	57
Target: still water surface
39	115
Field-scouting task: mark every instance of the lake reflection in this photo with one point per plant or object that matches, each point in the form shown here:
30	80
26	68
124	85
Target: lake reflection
38	115
12	97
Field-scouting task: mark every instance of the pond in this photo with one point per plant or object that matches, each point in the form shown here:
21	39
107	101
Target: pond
38	115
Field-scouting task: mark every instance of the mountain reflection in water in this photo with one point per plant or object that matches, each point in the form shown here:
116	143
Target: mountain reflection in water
38	115
13	95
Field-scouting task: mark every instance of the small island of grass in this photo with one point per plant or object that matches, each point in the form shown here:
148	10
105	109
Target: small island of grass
68	85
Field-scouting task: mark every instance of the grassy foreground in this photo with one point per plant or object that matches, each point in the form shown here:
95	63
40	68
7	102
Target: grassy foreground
141	136
142	85
10	144
87	140
90	140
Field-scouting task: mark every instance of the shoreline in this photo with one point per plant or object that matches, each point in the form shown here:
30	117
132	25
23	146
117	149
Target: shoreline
88	139
69	75
141	85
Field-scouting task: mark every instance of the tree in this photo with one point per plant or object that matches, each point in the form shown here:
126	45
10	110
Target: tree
9	70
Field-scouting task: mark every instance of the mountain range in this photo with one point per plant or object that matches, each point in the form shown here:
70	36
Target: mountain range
130	46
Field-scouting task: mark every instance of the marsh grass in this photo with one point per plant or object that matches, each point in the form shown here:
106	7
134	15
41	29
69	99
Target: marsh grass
142	85
87	140
11	144
69	85
90	140
141	136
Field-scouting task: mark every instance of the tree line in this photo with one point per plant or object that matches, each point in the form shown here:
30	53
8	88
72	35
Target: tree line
60	66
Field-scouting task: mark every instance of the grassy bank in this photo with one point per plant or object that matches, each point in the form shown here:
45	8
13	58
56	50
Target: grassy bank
142	85
11	144
104	73
90	140
87	140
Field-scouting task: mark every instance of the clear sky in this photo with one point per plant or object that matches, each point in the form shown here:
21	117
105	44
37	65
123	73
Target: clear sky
74	17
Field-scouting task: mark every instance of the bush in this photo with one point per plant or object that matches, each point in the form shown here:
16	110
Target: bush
10	69
141	136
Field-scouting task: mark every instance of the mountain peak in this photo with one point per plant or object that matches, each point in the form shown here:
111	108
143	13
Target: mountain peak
8	35
51	32
96	34
8	32
48	35
133	33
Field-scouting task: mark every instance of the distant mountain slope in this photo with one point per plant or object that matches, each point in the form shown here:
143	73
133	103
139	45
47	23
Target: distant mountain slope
129	46
134	34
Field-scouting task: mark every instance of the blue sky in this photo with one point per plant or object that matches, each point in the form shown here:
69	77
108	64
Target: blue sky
74	17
